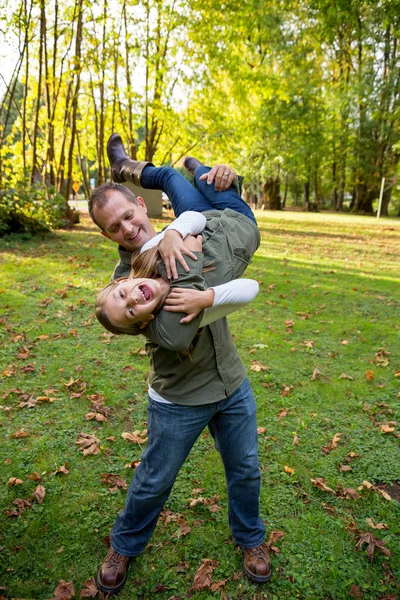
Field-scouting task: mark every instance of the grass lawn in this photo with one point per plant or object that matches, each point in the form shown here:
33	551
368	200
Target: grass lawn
321	343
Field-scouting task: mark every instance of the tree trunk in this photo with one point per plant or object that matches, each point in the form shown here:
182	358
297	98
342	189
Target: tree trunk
306	197
271	190
363	199
77	71
285	193
35	174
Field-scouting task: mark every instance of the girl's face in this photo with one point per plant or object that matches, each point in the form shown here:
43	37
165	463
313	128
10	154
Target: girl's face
133	301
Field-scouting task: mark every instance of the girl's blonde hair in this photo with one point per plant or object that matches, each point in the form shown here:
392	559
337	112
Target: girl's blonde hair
144	265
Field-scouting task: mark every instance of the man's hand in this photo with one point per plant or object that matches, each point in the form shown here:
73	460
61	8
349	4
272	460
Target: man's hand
222	175
172	247
189	301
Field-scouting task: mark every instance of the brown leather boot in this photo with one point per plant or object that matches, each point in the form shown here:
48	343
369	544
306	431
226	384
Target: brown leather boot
123	168
257	564
112	574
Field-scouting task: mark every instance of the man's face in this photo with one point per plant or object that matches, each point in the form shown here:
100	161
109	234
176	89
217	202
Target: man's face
124	222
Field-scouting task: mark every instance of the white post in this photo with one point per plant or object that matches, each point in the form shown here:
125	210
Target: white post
378	214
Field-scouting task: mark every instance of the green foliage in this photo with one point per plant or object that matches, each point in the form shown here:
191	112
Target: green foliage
32	209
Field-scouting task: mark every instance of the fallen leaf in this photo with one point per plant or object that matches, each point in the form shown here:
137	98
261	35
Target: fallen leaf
218	584
315	375
333	444
89	589
377	525
14	481
63	469
319	482
344	376
288	469
296	440
184	528
35	476
286	390
372	543
133	464
388	427
348	493
345	342
355	591
261	430
202	579
39	494
257	366
273	538
89	444
19	434
136	437
114	481
282	414
345	468
65	591
369	376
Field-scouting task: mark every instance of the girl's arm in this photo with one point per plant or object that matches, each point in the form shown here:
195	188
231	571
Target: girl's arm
171	244
217	302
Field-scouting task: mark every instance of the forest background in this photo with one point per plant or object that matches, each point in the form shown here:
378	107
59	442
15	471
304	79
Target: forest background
300	96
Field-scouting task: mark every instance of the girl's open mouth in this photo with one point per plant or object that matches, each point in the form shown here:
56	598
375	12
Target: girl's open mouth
146	292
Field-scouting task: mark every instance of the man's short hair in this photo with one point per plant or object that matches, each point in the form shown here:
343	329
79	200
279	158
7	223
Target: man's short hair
101	196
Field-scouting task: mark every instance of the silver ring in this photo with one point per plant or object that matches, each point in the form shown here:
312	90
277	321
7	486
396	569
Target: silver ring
226	174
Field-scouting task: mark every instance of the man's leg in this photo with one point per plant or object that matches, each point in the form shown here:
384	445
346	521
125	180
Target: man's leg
234	429
172	431
221	200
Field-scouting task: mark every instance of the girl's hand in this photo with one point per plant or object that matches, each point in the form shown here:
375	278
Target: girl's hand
172	248
189	301
193	243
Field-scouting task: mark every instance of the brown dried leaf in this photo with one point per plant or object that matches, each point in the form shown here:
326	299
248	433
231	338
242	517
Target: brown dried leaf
202	579
261	430
14	481
288	470
257	366
19	434
333	443
89	589
388	426
39	494
319	482
273	538
344	376
65	591
377	525
89	444
136	437
114	481
218	584
63	469
283	413
355	591
315	375
372	543
345	468
348	493
369	375
35	476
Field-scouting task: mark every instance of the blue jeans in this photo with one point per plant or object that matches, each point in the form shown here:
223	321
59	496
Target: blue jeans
184	196
172	431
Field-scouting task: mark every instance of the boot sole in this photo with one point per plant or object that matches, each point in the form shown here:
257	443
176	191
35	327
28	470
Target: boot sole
256	578
115	590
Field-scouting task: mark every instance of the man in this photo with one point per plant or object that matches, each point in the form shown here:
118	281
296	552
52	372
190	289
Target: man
188	391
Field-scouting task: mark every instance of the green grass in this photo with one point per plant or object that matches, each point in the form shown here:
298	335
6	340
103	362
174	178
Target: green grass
336	278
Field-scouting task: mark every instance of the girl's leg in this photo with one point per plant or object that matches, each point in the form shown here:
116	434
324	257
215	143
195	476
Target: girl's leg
179	190
220	200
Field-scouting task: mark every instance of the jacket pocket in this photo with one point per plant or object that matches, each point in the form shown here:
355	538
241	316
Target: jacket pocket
242	258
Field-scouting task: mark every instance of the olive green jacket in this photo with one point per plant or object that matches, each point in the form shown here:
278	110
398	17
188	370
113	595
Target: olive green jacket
192	366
